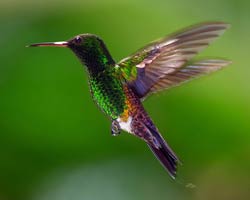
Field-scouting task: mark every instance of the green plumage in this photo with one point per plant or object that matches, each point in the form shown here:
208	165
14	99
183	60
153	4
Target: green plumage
108	93
127	67
106	88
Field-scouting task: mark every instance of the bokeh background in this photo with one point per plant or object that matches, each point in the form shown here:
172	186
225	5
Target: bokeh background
56	145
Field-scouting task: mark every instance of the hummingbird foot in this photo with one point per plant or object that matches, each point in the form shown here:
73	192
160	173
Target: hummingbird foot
115	128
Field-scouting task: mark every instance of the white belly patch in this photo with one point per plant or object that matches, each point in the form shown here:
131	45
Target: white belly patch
126	126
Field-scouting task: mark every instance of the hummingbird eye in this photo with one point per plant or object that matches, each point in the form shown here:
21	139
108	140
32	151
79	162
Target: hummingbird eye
78	40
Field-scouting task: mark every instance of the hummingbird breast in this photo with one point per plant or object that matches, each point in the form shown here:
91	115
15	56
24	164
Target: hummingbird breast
107	92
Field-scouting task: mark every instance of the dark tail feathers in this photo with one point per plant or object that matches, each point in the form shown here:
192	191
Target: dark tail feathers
165	155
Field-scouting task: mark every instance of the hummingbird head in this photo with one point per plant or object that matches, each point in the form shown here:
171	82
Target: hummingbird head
89	48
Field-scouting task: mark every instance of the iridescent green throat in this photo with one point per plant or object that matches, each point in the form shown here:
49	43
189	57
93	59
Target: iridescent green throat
93	53
106	89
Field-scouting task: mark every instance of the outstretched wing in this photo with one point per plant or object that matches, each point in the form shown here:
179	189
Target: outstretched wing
164	63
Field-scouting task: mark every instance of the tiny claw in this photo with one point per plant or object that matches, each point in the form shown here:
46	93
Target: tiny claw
115	128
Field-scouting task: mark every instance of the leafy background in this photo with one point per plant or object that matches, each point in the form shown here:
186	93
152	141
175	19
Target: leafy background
56	145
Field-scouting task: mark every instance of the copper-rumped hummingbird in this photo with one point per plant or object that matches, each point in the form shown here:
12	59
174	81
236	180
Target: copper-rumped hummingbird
119	88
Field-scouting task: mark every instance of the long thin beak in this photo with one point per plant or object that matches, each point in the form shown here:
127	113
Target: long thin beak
49	44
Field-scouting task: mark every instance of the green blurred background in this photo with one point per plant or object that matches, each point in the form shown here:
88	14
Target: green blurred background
56	145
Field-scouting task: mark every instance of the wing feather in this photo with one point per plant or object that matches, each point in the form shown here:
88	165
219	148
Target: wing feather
188	73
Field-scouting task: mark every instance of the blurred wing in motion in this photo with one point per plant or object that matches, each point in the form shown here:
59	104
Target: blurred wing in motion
164	63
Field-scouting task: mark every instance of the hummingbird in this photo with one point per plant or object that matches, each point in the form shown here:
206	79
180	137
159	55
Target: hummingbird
119	88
